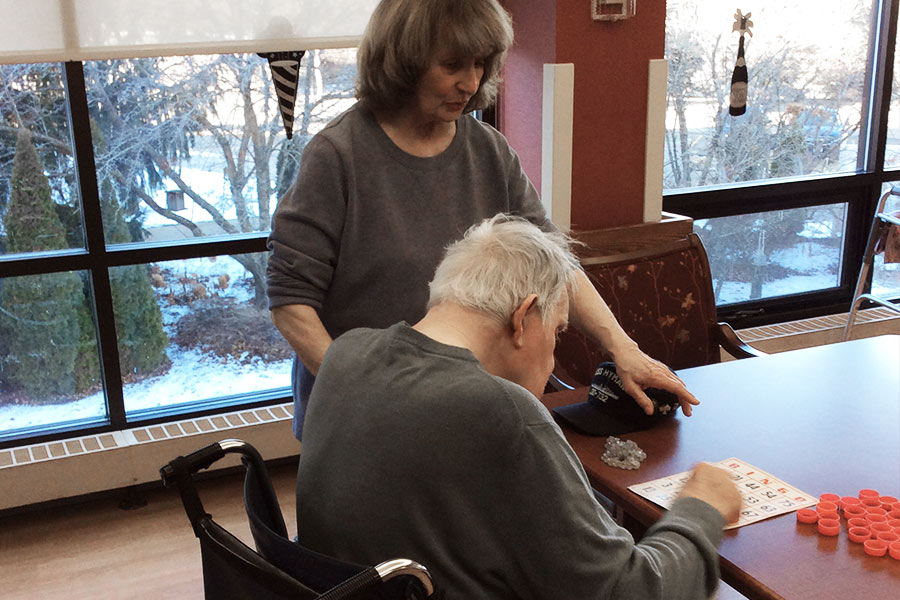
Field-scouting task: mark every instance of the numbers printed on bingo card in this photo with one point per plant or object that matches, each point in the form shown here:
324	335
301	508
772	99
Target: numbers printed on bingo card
763	494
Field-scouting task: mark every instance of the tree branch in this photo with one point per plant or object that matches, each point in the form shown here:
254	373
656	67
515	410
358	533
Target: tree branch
149	201
57	144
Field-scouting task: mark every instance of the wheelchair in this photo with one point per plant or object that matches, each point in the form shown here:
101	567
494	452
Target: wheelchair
279	568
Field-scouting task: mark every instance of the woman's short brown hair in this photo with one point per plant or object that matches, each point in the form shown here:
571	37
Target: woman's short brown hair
403	35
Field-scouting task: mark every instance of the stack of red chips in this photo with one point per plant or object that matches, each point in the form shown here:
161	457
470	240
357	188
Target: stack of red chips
873	520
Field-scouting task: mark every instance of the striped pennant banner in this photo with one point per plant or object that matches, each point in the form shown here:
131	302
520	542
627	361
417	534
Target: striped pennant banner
285	69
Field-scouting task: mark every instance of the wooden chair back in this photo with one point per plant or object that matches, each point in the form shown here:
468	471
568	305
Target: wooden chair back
662	297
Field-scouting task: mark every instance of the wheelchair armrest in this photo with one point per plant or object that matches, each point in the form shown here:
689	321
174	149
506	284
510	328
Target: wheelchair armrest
403	566
382	572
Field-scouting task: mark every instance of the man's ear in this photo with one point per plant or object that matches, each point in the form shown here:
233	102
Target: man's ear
517	320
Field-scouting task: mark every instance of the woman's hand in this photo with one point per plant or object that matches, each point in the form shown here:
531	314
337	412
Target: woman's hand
639	372
589	313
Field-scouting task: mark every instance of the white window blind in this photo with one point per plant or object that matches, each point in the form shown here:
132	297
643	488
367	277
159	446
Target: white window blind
61	30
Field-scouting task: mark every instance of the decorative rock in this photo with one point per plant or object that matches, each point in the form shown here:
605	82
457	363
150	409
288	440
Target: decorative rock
623	454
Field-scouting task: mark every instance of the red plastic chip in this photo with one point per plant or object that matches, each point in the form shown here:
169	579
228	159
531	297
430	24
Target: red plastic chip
895	550
829	526
827	510
858	535
849	501
807	515
875	547
833	498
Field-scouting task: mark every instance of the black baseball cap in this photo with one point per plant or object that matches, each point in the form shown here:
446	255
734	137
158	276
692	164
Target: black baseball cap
610	410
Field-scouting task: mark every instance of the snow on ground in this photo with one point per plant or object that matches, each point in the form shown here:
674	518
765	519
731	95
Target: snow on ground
808	257
817	267
194	375
733	291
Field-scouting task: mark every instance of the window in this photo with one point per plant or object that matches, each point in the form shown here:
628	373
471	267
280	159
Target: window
774	253
782	195
886	276
132	246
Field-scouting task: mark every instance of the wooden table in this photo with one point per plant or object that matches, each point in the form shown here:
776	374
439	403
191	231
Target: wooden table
823	419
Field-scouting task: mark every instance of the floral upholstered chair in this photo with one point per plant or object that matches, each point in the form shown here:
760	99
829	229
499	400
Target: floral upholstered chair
663	298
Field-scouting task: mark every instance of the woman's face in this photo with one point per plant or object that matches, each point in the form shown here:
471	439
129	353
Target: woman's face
446	86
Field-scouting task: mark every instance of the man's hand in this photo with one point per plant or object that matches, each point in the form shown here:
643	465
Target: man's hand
715	487
639	372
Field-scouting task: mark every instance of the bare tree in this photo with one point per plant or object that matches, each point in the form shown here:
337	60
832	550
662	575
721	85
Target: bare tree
162	117
225	102
791	92
801	111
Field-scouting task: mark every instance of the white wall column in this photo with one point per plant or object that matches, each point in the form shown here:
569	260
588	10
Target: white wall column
556	143
656	139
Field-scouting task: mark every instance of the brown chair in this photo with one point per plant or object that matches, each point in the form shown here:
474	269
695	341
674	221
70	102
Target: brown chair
662	297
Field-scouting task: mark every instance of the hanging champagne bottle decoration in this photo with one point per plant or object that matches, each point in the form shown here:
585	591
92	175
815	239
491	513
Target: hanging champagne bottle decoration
738	102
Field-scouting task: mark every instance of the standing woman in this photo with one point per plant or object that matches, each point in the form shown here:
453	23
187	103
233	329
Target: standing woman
388	184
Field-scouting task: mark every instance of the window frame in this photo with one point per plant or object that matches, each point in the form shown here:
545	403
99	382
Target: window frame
860	190
96	258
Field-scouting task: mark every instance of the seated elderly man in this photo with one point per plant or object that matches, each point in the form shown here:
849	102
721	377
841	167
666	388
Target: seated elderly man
429	442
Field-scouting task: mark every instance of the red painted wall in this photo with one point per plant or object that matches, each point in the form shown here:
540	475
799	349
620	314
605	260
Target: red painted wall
520	105
610	111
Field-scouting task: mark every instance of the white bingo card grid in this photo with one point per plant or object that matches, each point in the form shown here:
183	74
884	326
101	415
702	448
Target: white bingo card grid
764	495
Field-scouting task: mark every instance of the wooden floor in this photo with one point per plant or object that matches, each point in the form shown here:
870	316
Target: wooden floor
99	551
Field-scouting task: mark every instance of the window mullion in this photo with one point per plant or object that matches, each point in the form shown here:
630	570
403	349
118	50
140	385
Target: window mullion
874	130
86	172
874	126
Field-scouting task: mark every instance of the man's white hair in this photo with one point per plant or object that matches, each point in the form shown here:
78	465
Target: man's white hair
499	262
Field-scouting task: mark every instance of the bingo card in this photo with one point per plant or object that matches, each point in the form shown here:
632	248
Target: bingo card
764	494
